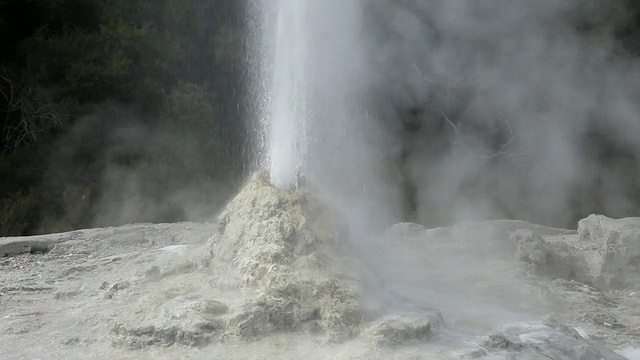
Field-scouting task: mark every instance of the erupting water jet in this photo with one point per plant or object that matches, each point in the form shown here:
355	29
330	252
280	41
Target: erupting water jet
287	113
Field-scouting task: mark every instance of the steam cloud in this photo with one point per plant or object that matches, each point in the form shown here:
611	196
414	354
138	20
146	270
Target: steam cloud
523	109
117	169
528	109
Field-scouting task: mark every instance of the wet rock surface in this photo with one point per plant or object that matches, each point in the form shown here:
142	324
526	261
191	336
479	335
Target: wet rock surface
401	330
538	341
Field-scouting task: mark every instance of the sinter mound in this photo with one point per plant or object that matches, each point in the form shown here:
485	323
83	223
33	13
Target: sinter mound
288	248
277	264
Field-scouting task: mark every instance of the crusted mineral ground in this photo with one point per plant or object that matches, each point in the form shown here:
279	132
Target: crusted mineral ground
278	277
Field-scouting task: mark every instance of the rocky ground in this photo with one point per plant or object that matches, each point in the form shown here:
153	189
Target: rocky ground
276	278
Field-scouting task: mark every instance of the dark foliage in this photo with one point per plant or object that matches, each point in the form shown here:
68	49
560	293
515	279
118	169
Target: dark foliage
78	74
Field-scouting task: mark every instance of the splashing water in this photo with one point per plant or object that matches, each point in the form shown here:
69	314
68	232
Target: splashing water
288	113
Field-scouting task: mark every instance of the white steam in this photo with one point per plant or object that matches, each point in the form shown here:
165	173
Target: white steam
524	99
526	109
320	125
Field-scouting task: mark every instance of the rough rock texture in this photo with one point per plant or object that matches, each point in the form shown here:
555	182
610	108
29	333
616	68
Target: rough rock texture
553	256
277	264
60	301
538	341
15	246
605	253
616	262
286	247
401	329
276	282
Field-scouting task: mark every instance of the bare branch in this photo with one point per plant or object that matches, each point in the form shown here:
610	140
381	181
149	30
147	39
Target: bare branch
510	132
30	113
455	128
459	140
502	151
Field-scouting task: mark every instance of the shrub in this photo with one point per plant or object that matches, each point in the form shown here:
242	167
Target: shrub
18	213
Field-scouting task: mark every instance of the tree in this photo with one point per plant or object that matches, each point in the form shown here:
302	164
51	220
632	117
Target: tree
173	67
29	113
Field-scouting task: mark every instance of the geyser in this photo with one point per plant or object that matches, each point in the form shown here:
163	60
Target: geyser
313	89
287	112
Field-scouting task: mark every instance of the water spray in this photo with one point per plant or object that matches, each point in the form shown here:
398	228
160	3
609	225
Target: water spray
288	109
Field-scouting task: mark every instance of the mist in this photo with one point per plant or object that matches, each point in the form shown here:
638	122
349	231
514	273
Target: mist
440	112
115	167
522	109
381	134
434	112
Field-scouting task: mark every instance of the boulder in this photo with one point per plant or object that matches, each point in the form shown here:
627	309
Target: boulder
605	253
612	251
554	256
401	329
539	341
